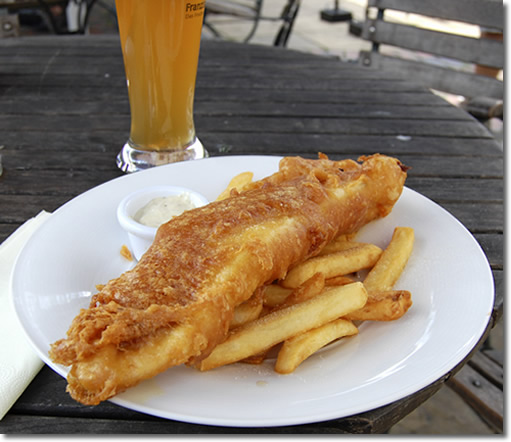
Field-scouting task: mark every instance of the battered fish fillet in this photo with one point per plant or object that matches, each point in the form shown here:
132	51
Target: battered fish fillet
175	305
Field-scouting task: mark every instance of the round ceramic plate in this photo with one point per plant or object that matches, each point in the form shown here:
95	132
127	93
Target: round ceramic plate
448	275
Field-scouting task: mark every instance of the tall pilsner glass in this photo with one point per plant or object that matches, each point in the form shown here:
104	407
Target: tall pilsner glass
160	42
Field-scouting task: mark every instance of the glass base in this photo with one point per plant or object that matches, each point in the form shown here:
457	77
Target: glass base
130	159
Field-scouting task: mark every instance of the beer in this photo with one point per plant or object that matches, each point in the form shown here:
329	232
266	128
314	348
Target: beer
160	42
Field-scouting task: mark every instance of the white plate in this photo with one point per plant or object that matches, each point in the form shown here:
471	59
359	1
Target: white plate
448	275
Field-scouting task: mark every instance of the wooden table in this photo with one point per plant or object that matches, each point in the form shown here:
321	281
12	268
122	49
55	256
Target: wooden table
64	115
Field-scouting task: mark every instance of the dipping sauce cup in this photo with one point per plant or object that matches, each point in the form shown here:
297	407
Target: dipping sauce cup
141	235
160	42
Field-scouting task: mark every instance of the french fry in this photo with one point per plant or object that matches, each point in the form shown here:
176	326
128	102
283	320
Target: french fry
238	183
276	327
392	262
274	294
338	245
339	280
383	306
249	310
257	359
298	348
334	264
310	288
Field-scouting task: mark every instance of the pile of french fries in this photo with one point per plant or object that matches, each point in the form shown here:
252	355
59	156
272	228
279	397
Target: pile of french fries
320	301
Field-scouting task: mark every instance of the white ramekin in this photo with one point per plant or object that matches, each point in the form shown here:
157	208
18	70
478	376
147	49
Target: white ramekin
141	236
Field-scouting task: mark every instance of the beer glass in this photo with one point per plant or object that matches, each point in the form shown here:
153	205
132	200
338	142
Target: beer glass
160	42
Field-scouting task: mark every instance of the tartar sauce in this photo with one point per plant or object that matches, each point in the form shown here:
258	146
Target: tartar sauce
160	210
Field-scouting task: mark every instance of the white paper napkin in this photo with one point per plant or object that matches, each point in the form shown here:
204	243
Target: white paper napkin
19	362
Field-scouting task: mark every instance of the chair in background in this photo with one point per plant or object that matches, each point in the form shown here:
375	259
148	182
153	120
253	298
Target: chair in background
249	13
480	383
60	16
438	59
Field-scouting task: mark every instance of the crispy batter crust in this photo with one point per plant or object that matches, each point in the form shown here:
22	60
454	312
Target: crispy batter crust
175	306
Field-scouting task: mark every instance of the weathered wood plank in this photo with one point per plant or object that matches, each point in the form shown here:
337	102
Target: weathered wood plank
336	145
453	167
16	209
498	277
488	368
278	124
63	106
55	182
57	65
236	81
449	190
291	72
52	107
299	84
19	59
339	145
61	141
69	123
51	66
493	246
435	77
335	110
495	355
472	50
353	126
69	160
41	80
484	397
469	214
339	96
80	93
211	101
77	159
487	13
229	95
28	56
20	424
